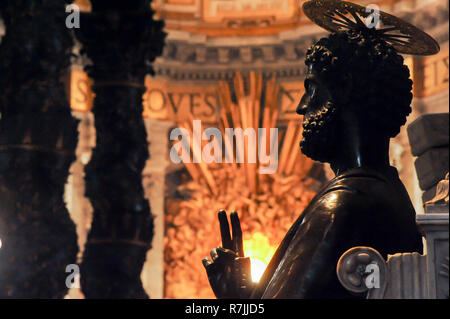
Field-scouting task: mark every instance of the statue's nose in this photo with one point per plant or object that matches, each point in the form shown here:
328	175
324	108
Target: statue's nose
303	105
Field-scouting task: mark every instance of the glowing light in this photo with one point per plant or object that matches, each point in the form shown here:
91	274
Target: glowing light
258	268
258	248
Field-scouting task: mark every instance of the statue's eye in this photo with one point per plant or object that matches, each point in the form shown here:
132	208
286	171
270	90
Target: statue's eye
312	91
310	88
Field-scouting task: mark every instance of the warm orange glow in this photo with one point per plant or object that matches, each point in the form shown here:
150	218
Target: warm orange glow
258	248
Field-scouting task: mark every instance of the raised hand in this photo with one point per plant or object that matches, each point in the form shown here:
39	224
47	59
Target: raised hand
229	271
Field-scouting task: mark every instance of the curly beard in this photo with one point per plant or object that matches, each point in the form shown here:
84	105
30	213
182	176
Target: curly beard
319	133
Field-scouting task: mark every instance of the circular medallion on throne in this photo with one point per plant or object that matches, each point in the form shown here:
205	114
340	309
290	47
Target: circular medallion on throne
361	269
336	15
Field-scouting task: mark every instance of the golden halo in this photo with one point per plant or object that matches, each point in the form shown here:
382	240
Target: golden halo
336	16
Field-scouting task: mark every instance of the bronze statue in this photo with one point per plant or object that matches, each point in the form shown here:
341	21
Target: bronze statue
357	96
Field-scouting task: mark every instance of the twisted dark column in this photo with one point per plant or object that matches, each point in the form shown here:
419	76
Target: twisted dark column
38	137
122	39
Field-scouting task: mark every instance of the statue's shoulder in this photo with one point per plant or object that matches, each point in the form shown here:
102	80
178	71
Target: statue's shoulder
364	181
362	187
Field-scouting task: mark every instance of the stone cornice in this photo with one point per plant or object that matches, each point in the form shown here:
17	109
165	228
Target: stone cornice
197	57
183	60
200	58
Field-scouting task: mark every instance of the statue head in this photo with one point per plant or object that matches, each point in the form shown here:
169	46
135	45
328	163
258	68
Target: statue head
352	72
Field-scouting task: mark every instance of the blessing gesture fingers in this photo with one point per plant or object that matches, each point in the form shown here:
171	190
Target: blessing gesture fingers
228	270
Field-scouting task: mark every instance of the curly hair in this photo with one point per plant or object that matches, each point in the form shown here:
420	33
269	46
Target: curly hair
381	91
